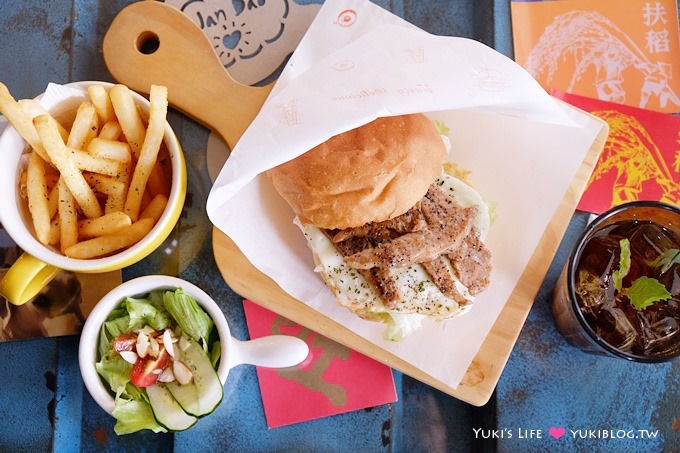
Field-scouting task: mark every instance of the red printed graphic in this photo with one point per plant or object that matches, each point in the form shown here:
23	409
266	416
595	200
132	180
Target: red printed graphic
640	159
333	379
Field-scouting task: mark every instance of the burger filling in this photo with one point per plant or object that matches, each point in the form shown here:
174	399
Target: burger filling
436	233
430	260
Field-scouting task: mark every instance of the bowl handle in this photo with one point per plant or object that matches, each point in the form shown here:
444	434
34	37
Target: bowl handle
26	278
274	351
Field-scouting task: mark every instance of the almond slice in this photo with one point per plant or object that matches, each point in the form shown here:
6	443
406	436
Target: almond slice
142	344
182	372
154	347
184	343
168	342
129	356
166	375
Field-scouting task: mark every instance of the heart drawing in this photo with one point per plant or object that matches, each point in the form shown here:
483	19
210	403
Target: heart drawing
557	431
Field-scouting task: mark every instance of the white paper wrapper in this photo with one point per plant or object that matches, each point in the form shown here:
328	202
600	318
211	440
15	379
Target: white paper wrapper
65	96
359	62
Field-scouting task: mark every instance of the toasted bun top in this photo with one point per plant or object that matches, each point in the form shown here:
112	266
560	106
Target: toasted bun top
368	174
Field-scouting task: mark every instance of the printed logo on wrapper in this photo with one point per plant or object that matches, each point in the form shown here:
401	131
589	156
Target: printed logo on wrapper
489	79
344	65
288	113
416	54
346	18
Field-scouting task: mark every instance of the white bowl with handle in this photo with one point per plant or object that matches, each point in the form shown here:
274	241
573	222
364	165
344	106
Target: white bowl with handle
276	351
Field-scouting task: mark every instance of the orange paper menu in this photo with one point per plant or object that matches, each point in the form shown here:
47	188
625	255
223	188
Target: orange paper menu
624	52
640	159
332	380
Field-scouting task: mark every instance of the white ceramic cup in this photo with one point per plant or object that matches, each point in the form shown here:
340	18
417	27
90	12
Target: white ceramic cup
276	351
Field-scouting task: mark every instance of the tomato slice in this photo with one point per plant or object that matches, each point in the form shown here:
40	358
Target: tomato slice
142	374
125	342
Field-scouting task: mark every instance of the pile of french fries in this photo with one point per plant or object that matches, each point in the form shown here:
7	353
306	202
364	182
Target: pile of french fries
100	186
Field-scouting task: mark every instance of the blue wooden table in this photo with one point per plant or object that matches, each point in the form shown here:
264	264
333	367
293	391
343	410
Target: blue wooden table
603	404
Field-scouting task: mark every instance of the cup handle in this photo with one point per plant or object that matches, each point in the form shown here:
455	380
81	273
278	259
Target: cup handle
274	351
26	278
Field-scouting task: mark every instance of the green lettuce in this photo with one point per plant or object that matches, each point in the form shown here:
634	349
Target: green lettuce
134	415
115	371
190	317
143	312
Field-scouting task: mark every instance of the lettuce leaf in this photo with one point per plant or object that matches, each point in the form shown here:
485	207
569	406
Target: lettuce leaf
115	371
190	317
401	325
134	415
143	312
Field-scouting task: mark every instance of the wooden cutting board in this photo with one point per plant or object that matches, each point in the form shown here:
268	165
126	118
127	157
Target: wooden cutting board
150	42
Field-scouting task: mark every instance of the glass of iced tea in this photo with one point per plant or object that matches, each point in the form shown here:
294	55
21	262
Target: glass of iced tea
619	292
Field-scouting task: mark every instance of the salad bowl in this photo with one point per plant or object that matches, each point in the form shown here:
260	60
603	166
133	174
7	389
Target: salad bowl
119	311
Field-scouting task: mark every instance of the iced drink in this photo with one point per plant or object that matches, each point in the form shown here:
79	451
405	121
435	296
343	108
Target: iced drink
619	293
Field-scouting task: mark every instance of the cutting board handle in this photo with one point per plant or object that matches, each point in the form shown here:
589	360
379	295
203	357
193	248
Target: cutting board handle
150	42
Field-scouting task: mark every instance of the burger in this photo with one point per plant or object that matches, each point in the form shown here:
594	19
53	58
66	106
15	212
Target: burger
396	232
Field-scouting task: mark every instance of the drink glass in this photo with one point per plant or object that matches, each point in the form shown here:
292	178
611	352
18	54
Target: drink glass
596	315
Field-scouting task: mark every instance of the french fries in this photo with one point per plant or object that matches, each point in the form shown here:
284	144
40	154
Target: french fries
68	216
85	127
109	243
36	190
60	156
128	117
149	151
106	224
98	186
101	102
22	121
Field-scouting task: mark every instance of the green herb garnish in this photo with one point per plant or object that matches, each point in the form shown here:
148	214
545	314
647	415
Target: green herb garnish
624	264
646	291
667	259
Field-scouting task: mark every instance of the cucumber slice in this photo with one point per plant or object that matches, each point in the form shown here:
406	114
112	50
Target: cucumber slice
166	409
204	393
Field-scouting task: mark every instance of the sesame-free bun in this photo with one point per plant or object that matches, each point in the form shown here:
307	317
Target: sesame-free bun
369	174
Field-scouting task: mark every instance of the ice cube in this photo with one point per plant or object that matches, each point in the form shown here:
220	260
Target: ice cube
624	328
671	280
650	241
600	256
590	290
660	332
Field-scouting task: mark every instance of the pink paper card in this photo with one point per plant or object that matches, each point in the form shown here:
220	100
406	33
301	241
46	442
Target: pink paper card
640	159
332	380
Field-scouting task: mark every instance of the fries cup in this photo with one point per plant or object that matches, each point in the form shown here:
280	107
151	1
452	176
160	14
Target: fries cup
40	263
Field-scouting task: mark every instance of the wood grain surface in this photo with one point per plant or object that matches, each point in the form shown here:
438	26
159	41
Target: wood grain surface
151	42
